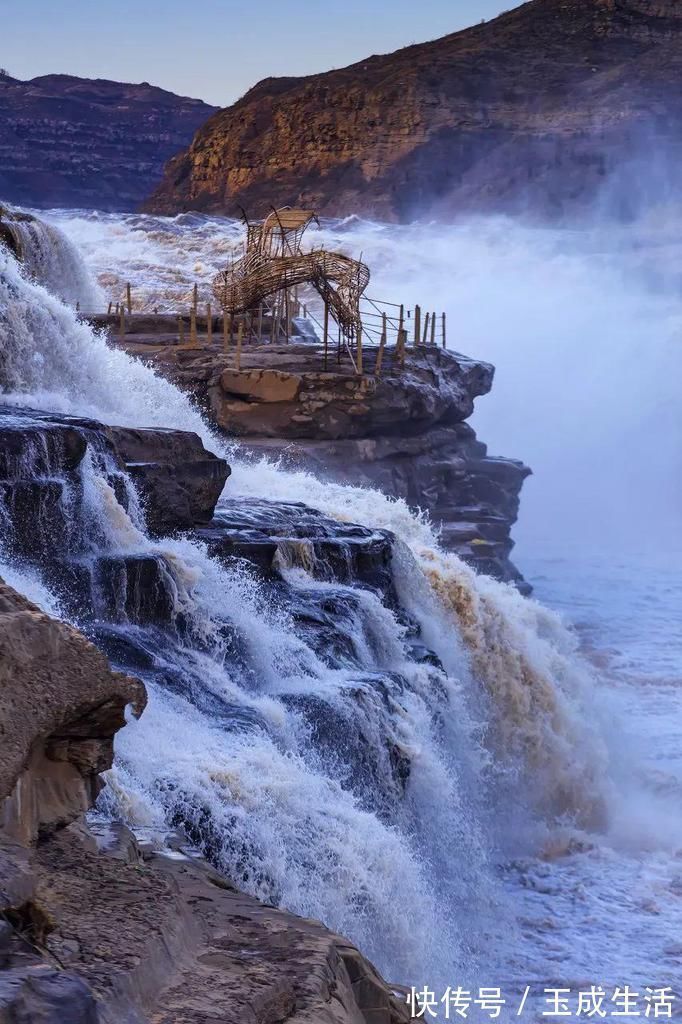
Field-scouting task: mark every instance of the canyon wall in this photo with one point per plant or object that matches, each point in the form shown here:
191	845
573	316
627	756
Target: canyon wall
532	112
67	141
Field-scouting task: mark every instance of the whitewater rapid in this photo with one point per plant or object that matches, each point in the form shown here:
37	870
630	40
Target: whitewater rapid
526	788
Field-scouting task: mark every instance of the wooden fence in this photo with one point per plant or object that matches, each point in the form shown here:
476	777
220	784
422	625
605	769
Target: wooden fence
383	325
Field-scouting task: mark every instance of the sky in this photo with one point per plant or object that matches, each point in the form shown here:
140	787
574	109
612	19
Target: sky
216	49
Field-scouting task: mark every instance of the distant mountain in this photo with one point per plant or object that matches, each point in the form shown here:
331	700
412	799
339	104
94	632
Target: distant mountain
536	108
68	141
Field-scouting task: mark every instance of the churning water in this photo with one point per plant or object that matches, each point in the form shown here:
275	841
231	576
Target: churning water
538	841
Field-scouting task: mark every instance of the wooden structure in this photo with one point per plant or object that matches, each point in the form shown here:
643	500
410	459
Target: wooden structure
272	266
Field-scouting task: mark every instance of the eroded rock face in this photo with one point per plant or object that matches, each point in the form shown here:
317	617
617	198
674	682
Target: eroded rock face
304	402
532	111
67	141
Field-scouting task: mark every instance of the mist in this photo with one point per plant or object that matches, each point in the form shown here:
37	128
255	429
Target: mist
584	327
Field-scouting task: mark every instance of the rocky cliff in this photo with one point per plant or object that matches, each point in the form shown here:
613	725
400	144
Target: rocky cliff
95	927
534	110
403	432
68	141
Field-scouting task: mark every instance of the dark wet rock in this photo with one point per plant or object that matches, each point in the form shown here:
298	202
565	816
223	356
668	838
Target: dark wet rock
45	994
178	479
47	449
137	589
276	535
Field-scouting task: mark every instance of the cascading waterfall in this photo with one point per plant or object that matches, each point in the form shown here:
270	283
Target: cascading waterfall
50	258
232	744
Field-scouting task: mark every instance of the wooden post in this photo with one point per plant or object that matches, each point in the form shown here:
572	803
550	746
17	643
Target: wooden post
78	307
326	331
401	321
122	322
433	328
443	331
193	339
181	330
426	330
209	324
260	324
287	321
240	338
227	330
274	326
129	298
358	352
400	347
382	346
117	305
417	325
195	297
109	309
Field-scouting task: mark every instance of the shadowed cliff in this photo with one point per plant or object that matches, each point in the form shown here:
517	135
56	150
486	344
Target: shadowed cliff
67	141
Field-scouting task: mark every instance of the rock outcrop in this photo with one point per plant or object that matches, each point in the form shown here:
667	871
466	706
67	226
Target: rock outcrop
67	141
60	707
532	111
403	432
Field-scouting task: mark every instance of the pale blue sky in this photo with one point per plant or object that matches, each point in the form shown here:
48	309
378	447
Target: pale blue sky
216	49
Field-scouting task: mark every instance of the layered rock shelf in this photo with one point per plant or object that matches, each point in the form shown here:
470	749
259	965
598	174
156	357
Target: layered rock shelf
404	432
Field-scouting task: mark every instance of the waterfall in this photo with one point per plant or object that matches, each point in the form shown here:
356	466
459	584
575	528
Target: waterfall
50	258
388	833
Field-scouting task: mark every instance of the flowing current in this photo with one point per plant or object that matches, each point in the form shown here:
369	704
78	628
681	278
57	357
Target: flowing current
526	848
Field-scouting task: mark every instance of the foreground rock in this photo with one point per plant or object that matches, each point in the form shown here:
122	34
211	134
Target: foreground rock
532	112
403	433
95	930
